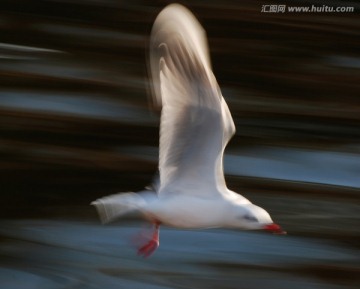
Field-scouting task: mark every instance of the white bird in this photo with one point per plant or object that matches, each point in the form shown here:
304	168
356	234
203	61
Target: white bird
196	125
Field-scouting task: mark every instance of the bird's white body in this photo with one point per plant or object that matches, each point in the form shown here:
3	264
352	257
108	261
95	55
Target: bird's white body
195	127
192	212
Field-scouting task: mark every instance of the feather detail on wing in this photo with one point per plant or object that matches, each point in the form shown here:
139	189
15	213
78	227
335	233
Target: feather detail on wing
196	123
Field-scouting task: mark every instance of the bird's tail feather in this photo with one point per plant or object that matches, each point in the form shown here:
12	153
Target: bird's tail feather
111	207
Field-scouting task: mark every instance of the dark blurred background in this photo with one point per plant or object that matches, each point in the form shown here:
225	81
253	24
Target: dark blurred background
76	121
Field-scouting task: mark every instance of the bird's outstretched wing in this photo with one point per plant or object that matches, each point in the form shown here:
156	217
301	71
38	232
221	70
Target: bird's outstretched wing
196	123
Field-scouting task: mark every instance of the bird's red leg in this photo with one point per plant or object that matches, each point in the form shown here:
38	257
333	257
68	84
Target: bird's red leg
150	247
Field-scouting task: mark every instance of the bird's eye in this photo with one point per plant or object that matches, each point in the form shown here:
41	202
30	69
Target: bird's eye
250	218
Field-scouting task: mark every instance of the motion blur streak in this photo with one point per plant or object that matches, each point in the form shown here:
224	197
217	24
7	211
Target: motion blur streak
75	125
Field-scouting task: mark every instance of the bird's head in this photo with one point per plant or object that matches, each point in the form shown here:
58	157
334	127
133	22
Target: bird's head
252	217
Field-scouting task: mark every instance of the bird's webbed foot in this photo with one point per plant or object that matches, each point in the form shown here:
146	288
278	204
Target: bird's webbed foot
151	245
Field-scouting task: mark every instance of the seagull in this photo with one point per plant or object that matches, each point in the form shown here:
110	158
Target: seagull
189	190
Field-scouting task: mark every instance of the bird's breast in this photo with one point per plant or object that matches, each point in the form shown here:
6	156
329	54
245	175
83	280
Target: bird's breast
190	212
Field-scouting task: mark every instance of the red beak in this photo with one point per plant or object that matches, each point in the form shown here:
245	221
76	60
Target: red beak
275	229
